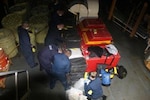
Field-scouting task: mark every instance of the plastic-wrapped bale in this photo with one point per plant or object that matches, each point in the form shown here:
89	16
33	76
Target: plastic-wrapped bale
79	84
12	21
19	8
40	10
38	25
75	94
7	42
40	36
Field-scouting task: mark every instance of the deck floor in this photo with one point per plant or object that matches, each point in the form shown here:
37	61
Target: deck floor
136	86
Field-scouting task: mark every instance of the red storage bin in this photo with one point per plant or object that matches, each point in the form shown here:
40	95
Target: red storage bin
94	31
89	23
97	36
92	63
3	59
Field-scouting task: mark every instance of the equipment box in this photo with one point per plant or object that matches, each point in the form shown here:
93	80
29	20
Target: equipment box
96	36
89	23
109	61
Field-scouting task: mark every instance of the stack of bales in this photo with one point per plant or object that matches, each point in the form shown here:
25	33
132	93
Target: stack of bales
39	23
10	24
19	8
40	10
14	19
7	42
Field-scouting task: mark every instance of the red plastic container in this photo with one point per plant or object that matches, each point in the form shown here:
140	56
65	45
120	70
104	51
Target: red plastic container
90	23
3	59
92	63
97	36
93	32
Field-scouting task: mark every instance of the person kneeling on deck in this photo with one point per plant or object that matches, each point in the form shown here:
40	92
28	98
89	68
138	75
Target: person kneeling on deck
92	87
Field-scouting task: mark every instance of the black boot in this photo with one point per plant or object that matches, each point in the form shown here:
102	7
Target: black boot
104	97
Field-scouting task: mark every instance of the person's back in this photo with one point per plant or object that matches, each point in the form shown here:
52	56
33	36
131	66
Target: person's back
61	68
61	63
45	56
47	53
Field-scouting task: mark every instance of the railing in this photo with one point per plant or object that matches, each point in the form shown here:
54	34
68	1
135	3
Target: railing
6	74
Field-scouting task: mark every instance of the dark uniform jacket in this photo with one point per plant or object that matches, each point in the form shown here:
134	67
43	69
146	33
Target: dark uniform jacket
45	56
95	87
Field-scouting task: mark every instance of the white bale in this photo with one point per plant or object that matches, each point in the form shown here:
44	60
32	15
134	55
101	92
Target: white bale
75	94
79	84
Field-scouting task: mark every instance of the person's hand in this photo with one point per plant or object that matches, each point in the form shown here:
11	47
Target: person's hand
33	48
60	26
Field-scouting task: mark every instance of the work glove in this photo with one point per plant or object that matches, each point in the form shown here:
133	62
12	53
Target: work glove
33	48
90	92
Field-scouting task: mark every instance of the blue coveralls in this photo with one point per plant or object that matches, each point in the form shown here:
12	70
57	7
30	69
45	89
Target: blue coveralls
61	66
25	46
54	35
95	86
45	56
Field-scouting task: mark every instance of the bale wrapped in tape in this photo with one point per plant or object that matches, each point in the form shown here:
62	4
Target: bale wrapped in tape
38	24
75	94
19	8
7	42
40	36
15	33
12	21
40	10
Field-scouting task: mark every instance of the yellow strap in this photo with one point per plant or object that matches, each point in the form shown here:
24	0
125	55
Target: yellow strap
115	70
85	75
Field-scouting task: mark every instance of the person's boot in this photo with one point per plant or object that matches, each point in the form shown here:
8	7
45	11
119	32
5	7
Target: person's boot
104	97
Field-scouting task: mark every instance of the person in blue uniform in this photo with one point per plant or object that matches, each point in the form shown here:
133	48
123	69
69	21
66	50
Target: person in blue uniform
56	24
25	45
93	88
61	68
45	56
